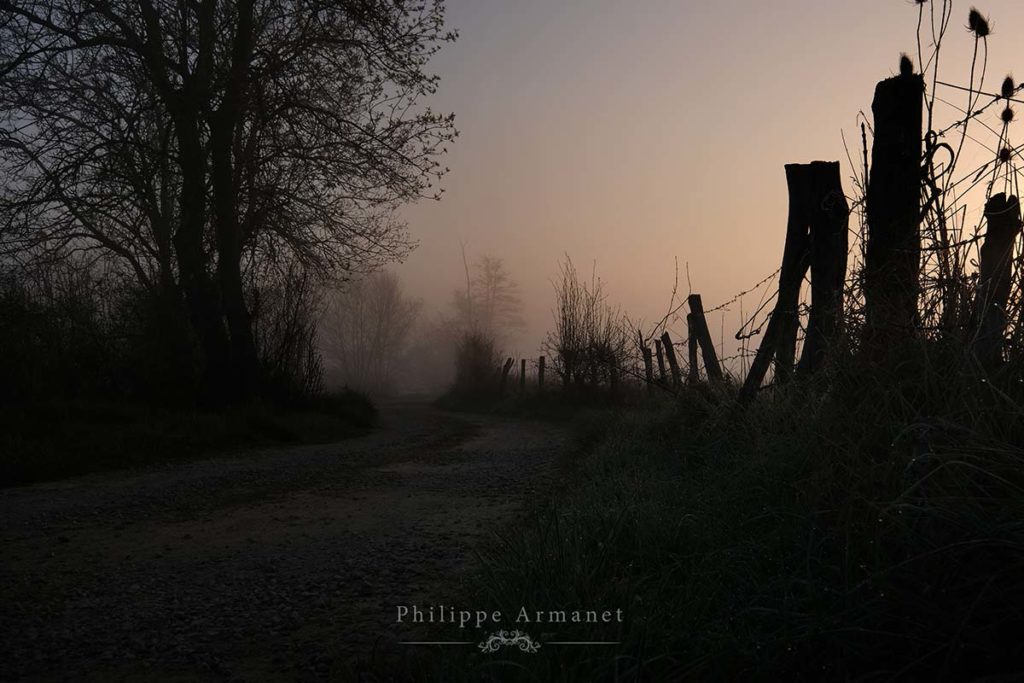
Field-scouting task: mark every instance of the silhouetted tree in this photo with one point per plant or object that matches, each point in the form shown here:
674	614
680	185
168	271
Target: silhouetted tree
192	140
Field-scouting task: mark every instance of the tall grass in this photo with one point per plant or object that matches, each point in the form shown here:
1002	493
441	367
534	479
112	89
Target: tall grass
869	528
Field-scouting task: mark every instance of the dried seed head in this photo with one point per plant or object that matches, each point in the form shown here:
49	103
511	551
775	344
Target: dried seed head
906	65
1004	155
977	23
1008	87
1007	115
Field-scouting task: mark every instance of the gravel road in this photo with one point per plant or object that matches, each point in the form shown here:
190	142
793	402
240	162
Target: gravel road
285	563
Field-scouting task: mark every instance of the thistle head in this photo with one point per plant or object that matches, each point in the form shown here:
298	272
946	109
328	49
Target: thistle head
1007	115
1004	155
1008	87
977	23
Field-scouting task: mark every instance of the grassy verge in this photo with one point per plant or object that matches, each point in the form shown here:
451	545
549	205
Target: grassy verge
874	531
59	440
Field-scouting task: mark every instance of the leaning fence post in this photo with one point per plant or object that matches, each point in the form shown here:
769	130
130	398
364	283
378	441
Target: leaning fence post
779	341
796	257
670	353
504	377
540	374
994	277
691	344
707	347
892	255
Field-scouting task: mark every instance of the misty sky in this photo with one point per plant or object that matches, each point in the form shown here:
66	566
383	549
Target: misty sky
632	134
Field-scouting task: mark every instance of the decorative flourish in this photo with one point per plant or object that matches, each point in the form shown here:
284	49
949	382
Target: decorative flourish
498	640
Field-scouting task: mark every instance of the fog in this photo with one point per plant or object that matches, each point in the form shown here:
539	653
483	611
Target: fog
633	136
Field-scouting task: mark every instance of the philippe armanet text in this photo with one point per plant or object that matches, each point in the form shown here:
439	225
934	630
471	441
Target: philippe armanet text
445	614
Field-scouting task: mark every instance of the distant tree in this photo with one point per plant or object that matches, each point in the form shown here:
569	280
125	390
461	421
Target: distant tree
490	304
192	140
367	330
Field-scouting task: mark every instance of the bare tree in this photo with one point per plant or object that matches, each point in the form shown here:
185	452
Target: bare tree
490	305
367	330
194	140
591	340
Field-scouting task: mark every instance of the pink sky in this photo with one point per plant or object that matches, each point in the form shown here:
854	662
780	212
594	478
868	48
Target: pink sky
633	134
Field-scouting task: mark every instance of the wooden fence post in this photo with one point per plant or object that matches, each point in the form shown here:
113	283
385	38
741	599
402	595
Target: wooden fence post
504	377
707	347
691	343
648	368
994	277
645	351
673	364
779	341
828	223
796	257
661	361
540	374
893	253
522	376
816	235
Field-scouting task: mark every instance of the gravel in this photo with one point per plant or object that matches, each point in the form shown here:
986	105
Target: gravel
285	563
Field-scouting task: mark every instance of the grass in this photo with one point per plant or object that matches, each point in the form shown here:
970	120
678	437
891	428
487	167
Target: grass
65	439
870	527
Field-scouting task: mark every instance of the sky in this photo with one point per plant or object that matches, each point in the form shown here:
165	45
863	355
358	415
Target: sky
635	136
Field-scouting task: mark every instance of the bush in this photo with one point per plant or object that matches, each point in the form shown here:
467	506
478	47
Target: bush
56	329
285	309
590	345
476	366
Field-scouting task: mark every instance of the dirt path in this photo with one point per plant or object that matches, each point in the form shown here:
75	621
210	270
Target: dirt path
284	563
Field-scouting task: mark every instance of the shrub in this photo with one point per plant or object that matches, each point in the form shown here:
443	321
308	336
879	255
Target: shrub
476	365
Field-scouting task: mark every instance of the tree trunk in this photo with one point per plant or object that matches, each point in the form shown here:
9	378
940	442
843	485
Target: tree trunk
201	296
223	125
